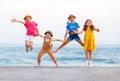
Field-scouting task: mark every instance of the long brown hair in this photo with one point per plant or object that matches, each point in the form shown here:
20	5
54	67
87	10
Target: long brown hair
91	27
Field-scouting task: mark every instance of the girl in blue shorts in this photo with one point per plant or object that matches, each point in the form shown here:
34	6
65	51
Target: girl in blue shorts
71	29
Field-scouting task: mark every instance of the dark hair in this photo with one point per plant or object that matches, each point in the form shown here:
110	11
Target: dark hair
71	16
27	16
49	33
91	27
68	22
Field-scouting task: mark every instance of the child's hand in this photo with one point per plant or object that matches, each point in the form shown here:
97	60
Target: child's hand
76	32
13	20
97	30
38	34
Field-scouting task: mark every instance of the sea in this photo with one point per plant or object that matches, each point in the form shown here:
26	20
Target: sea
105	55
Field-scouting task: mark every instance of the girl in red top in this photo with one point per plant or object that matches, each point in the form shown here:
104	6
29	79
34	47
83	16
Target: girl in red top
32	31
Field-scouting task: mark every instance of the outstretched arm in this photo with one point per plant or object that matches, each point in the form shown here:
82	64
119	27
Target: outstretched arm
96	29
79	32
58	40
41	36
14	20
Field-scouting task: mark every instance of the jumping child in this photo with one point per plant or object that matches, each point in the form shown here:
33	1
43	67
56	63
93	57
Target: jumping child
89	41
71	28
32	31
47	47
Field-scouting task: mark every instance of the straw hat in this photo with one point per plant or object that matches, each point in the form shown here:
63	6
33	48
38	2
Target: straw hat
27	16
50	32
71	16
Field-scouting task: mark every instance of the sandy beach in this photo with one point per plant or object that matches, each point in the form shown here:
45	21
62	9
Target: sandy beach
51	73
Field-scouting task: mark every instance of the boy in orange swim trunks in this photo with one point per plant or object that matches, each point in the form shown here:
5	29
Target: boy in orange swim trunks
47	47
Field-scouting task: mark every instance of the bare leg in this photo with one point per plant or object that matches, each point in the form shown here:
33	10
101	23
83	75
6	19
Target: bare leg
51	54
61	46
40	55
86	54
80	42
31	45
90	53
27	45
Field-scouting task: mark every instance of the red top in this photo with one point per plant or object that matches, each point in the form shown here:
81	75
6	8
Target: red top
31	28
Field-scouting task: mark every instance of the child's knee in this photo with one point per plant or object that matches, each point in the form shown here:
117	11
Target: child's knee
26	43
31	44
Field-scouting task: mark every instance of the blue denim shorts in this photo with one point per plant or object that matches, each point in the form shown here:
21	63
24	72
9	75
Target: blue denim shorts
73	37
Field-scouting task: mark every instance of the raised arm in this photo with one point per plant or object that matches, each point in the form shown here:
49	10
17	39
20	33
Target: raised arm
65	34
14	20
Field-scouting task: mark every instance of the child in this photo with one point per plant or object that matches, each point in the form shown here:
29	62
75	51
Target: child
71	28
89	41
47	47
32	31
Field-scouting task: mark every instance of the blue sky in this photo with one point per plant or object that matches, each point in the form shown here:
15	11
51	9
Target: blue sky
52	15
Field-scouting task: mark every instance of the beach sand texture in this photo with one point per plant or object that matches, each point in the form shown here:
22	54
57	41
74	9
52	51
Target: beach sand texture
50	73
